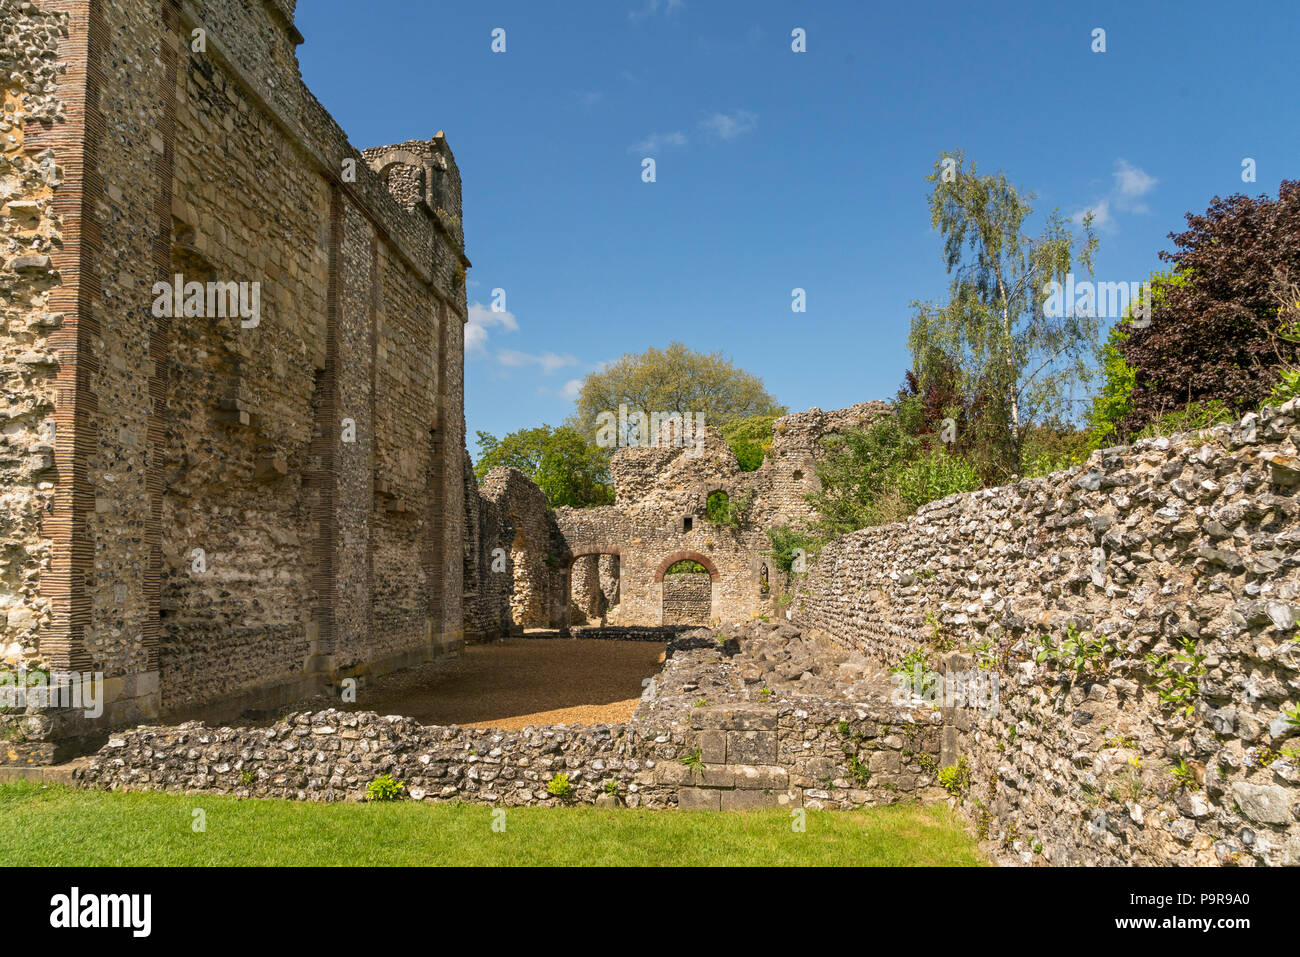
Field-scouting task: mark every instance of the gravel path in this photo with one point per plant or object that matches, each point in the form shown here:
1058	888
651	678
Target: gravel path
521	681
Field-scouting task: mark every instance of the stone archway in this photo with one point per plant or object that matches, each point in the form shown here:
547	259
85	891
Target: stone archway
686	598
676	557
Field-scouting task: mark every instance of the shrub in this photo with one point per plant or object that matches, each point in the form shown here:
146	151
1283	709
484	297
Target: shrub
1190	418
750	439
384	788
955	779
559	786
934	475
687	566
1211	335
786	539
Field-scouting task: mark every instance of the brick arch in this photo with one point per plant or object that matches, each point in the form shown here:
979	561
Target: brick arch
676	557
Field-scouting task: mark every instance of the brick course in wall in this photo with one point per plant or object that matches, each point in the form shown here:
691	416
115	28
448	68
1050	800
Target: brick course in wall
211	513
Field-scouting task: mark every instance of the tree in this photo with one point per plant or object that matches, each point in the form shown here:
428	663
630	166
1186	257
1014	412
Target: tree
750	439
1211	336
885	471
567	467
675	379
1017	361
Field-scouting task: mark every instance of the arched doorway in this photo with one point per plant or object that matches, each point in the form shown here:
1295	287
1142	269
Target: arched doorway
685	581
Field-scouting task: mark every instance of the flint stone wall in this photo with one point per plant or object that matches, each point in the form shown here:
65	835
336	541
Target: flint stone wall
687	598
1190	538
736	750
749	757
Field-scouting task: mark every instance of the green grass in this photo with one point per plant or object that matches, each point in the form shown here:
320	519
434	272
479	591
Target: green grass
53	825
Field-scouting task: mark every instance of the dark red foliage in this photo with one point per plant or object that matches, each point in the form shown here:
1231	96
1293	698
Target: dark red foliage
1211	337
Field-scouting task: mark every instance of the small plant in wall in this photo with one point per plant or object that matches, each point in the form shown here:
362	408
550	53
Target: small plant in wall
858	771
1176	676
248	777
694	760
940	639
955	779
1184	777
610	786
1080	652
384	788
914	673
765	693
559	786
1292	715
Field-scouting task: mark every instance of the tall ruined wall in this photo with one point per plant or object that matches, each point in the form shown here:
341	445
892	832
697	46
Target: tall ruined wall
788	474
31	231
236	508
1092	755
521	552
660	510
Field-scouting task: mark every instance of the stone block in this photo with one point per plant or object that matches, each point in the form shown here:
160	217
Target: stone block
699	799
749	777
713	747
751	747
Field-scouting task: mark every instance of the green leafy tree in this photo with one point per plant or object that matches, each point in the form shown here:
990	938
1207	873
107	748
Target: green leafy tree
566	466
1213	335
675	379
1018	362
750	439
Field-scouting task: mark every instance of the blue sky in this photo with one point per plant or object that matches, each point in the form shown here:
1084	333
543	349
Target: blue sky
778	170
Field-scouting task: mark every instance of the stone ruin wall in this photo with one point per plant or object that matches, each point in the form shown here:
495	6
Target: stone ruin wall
1193	537
31	234
131	441
579	567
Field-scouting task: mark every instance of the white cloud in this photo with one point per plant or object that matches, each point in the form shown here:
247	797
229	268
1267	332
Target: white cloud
1132	182
571	389
656	141
481	319
1101	217
549	361
729	126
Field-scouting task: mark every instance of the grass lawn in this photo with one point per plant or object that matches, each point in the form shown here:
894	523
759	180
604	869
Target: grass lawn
54	825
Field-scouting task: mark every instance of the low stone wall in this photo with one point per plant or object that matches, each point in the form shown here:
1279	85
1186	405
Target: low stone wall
737	748
1140	614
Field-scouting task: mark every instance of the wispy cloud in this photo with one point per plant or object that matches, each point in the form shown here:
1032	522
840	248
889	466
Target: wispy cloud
714	128
657	141
727	126
1131	183
549	361
481	320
